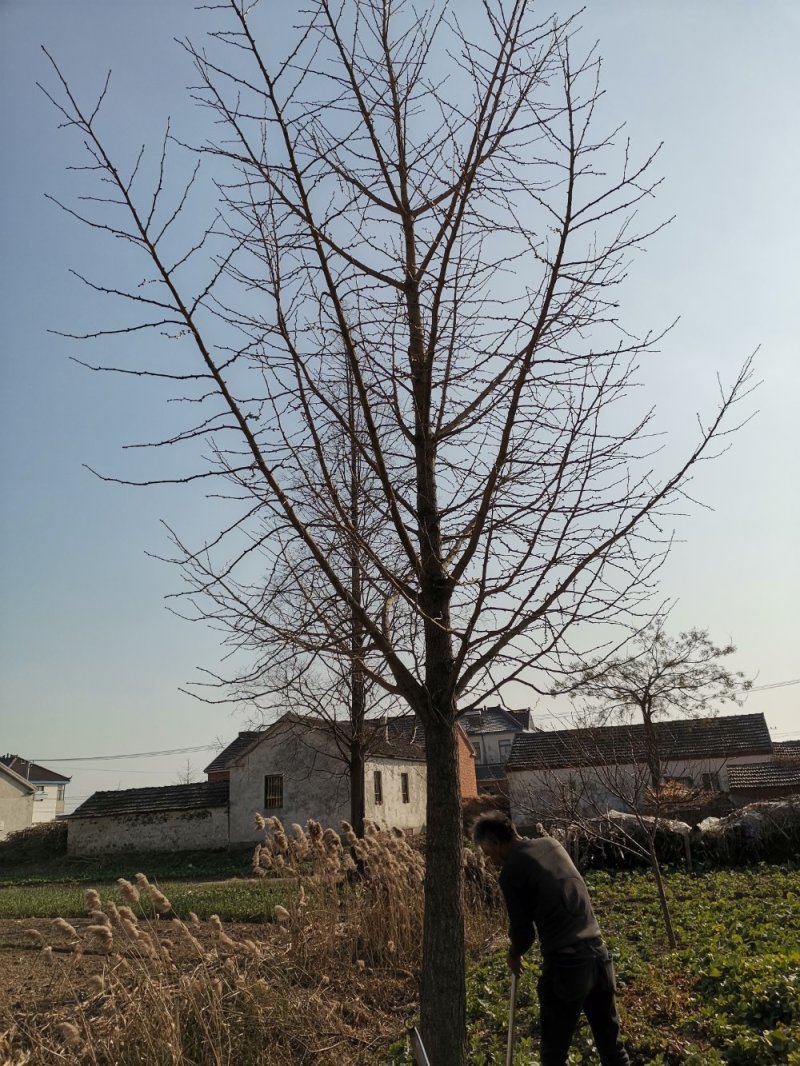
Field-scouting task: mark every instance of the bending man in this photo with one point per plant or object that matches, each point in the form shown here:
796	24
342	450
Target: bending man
546	895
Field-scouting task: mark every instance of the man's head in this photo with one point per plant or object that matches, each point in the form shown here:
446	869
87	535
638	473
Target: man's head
494	833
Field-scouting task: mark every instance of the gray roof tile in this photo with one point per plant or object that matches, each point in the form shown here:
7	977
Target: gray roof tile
693	738
142	800
32	771
492	720
764	775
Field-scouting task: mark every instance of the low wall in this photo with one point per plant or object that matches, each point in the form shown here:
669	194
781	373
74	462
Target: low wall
149	831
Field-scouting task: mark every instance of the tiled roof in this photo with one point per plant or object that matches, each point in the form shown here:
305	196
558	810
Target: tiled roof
786	750
12	775
400	737
143	800
492	720
230	754
764	775
31	771
693	738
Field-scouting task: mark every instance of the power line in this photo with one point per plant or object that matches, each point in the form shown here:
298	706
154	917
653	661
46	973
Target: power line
775	684
133	755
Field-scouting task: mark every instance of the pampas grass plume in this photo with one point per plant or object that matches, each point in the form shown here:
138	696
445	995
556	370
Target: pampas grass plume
69	1034
65	927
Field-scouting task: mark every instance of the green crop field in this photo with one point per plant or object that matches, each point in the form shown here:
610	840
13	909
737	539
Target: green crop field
731	994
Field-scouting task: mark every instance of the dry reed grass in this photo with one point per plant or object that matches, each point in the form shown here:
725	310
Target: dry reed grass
331	981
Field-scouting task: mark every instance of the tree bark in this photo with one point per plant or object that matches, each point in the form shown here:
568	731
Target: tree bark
357	788
443	992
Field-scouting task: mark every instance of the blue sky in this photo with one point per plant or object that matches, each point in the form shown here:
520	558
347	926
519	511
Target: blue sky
90	660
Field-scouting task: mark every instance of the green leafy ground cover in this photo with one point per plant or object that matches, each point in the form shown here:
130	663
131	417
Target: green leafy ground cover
730	994
233	901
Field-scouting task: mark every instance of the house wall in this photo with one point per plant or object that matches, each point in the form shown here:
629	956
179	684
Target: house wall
46	802
149	831
315	782
488	746
392	811
16	806
536	793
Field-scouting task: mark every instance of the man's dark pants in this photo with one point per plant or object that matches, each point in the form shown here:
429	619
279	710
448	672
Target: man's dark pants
570	984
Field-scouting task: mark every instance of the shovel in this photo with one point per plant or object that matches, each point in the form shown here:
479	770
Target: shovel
512	1011
420	1054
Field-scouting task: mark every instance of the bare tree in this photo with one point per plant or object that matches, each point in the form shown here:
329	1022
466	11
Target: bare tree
657	676
437	220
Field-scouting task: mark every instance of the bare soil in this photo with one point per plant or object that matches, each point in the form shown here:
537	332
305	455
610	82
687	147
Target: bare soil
38	988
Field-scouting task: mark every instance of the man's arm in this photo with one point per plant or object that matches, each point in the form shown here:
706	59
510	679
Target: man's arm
521	931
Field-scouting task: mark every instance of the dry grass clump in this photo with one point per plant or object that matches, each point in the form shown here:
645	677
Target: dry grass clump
171	993
360	901
331	980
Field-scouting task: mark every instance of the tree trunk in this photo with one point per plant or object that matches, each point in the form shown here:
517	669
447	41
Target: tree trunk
651	744
443	992
662	896
357	788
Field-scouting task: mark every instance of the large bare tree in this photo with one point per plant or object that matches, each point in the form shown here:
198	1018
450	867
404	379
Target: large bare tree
436	217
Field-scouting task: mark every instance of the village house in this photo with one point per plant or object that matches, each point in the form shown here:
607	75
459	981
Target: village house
774	779
292	769
16	801
50	787
491	731
602	768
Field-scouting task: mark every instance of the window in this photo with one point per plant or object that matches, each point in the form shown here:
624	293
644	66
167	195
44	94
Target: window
504	747
60	792
404	788
377	779
273	791
711	782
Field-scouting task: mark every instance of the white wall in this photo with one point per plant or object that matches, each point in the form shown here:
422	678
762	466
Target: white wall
487	746
46	804
535	793
315	782
393	812
16	806
149	831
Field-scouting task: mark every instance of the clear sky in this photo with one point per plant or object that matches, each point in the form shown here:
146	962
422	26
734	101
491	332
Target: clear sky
90	660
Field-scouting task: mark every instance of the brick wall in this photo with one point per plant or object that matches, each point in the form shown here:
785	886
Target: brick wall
466	767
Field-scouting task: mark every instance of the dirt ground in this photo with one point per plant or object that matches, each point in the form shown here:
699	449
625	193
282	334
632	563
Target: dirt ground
38	987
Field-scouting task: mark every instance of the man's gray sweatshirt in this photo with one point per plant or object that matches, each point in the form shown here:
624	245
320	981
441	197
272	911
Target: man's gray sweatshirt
545	894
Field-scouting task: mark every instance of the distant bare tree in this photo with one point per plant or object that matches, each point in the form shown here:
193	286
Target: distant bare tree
187	775
657	676
438	220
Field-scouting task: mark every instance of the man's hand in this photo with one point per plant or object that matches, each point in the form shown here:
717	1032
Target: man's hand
514	962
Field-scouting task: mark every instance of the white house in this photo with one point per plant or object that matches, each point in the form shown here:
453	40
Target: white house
293	770
602	768
166	818
49	785
491	731
16	801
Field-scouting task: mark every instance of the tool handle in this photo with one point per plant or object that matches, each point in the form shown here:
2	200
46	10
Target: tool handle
512	1010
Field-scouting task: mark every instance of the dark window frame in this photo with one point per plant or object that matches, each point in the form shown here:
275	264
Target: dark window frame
377	786
273	792
405	789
